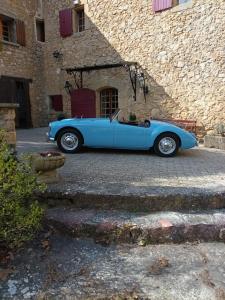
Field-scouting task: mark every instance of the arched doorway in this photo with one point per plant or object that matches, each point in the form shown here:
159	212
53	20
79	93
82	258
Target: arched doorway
108	102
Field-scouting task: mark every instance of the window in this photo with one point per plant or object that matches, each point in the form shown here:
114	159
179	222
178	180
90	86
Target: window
108	102
183	1
12	30
8	29
177	2
160	5
71	20
56	103
40	30
79	19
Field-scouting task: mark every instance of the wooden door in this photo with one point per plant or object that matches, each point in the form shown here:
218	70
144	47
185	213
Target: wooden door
83	103
23	114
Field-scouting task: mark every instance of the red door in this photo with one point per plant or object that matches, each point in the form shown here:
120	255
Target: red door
83	103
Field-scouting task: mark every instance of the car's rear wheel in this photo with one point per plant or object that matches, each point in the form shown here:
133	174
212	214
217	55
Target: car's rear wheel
69	141
166	145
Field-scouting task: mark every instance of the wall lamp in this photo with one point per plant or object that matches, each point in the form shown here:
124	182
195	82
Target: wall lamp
142	83
68	87
57	54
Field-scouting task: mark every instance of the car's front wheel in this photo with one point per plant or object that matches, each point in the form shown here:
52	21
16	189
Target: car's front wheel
69	141
166	145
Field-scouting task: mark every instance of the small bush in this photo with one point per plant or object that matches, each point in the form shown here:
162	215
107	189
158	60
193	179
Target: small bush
132	117
20	215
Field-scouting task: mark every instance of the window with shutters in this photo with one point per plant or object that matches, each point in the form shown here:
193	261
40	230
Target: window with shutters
108	101
72	20
8	29
12	31
40	30
161	5
56	103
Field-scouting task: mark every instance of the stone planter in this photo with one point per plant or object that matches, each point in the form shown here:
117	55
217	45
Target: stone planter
46	165
214	141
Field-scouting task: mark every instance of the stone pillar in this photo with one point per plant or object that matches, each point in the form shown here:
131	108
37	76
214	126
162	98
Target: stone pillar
7	121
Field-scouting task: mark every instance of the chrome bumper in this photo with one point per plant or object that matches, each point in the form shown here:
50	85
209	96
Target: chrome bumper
48	138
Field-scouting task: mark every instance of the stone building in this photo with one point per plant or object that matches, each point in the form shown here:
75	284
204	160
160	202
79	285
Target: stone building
154	58
22	61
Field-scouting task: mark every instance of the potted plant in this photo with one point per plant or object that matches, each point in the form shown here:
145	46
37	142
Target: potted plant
61	116
132	118
46	165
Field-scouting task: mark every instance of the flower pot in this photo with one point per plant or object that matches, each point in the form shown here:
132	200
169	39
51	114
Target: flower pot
46	165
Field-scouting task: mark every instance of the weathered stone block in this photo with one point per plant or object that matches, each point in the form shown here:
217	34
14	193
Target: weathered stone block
214	141
7	121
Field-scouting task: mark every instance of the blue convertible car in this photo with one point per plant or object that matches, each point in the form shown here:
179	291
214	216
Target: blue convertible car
165	138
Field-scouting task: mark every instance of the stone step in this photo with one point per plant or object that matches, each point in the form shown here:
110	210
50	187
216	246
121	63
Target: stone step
139	228
144	203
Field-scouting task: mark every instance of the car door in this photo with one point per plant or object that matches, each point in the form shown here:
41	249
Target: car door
99	133
130	137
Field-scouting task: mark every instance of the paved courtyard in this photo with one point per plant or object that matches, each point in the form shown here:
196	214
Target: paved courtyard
130	172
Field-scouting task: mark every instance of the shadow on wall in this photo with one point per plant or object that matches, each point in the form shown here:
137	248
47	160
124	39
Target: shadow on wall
93	47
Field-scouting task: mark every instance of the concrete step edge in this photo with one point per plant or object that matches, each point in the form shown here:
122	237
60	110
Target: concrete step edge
153	203
119	227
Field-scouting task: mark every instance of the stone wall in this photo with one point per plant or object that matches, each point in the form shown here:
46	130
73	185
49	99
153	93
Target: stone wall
7	122
26	62
181	51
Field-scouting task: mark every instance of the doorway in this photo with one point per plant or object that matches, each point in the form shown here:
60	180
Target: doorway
23	117
83	103
16	90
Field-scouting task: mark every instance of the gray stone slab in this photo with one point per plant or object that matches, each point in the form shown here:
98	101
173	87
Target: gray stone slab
80	269
214	141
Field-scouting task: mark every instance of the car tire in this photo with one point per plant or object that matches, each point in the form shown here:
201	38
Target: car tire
69	141
166	145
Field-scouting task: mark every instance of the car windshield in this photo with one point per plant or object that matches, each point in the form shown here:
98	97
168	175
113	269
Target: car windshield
115	115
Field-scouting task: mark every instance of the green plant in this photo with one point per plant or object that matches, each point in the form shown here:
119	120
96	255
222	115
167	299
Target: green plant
60	116
132	117
20	214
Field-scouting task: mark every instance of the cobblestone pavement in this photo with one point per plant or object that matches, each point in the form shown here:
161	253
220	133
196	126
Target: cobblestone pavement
131	172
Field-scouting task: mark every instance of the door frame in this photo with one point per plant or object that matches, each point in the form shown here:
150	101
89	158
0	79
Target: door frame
26	83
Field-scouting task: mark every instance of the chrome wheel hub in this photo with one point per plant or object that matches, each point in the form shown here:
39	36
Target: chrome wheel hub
69	141
167	145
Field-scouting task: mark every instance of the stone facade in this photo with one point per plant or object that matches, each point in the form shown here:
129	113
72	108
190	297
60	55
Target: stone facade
7	122
26	62
180	50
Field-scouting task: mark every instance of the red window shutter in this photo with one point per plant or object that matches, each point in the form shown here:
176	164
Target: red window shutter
57	102
159	5
20	33
66	22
